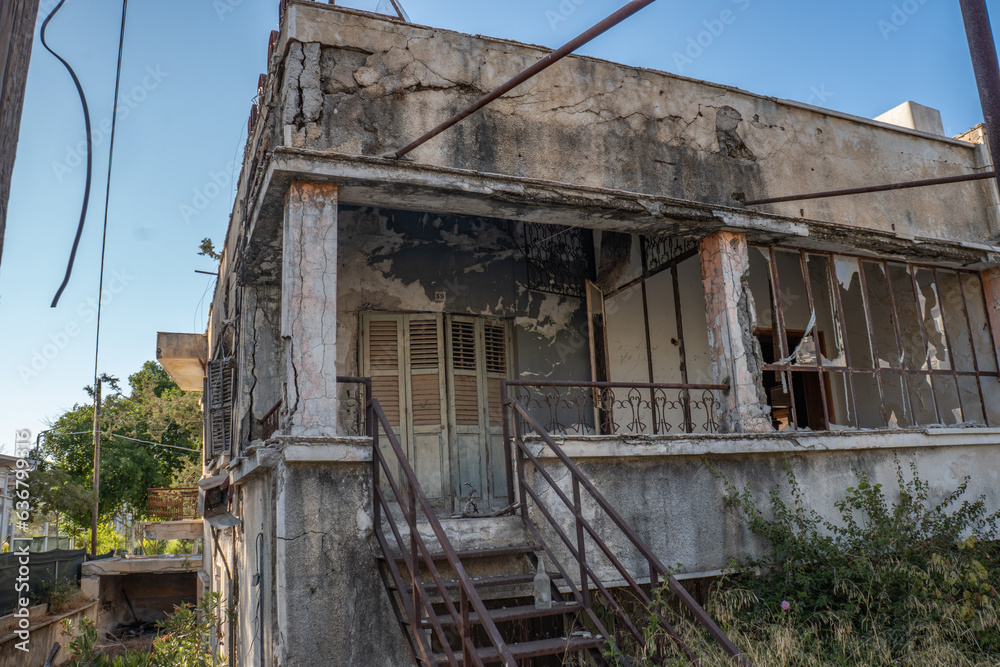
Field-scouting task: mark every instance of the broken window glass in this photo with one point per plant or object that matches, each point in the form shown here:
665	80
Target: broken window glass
933	320
907	317
828	332
799	320
956	324
946	395
760	286
882	320
922	399
972	402
856	322
897	413
877	344
982	336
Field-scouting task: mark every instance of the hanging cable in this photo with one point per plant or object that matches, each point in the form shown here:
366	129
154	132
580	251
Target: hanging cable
149	442
107	192
90	155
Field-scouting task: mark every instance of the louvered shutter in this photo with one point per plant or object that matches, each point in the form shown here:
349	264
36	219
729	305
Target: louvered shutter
404	357
221	381
425	383
497	345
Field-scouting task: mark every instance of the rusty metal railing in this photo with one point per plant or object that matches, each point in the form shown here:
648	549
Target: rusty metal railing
619	408
418	606
576	538
172	504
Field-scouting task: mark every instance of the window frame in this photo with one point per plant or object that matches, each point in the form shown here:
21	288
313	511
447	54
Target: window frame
881	372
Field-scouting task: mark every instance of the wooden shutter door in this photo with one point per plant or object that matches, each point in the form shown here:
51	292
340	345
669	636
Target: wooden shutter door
427	417
498	367
382	361
467	418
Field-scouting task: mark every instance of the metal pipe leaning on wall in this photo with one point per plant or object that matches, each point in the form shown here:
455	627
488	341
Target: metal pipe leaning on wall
874	188
546	62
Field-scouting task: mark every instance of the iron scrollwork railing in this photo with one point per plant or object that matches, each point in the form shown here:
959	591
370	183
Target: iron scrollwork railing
619	409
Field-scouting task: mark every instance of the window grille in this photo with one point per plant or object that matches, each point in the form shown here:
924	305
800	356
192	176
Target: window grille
858	342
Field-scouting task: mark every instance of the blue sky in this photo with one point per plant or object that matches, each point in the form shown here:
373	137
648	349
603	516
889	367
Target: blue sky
190	73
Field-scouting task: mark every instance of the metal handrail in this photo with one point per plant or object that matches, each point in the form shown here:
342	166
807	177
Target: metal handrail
599	405
417	552
657	570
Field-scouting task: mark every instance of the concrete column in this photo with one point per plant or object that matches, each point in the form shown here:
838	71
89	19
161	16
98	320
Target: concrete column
736	357
309	310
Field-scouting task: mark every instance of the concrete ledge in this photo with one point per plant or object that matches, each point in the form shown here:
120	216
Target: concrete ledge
186	529
142	565
583	447
293	450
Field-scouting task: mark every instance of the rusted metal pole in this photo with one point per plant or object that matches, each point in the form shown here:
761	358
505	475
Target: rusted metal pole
984	61
875	188
546	62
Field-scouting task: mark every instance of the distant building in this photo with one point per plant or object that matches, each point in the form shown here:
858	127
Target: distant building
571	291
17	30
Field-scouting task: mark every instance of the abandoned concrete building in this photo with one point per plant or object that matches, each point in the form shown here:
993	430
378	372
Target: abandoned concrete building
569	309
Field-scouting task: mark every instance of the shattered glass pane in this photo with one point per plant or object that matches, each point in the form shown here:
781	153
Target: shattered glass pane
869	401
799	320
982	337
831	341
946	393
955	322
933	317
844	413
922	399
855	316
896	403
760	286
991	399
972	404
908	317
885	340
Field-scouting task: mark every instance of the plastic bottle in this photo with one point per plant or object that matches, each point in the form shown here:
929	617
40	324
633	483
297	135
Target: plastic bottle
543	587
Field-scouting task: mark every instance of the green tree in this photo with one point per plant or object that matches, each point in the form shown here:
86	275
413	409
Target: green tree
155	410
59	495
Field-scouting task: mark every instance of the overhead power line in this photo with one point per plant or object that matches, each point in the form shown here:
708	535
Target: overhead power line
90	155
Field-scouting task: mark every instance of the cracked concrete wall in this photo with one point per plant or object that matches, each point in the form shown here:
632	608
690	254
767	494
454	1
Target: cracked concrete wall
255	555
331	605
403	261
385	83
665	490
309	310
736	355
262	362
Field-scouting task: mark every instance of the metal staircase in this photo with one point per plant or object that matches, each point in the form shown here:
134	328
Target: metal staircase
451	618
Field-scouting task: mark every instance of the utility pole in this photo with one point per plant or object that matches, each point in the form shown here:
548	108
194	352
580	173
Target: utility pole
984	63
97	465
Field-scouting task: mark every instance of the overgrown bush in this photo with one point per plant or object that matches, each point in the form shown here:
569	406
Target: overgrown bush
906	582
184	641
57	593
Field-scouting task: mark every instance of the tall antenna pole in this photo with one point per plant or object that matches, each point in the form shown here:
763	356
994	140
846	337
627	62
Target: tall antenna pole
97	466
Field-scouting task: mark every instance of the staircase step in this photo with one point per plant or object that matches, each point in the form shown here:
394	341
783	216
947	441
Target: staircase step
489	582
531	649
507	614
478	553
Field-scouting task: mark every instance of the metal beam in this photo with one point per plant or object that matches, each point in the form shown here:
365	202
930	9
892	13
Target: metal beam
875	188
546	62
984	62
